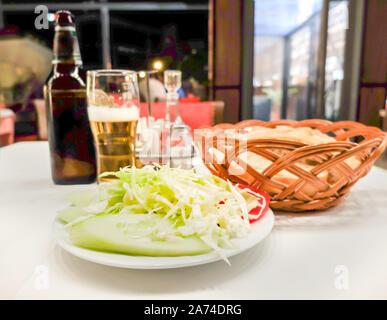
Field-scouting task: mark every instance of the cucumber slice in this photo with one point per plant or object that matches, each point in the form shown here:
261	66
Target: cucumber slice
81	198
71	213
129	233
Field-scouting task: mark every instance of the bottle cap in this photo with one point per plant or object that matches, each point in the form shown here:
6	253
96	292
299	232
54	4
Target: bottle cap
64	18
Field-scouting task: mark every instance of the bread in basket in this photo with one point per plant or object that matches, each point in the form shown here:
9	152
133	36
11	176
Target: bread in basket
305	165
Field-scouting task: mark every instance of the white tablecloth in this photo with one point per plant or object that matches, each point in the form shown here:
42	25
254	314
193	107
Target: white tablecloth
337	254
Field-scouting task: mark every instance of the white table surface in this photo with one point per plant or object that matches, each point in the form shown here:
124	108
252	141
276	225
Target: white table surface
337	254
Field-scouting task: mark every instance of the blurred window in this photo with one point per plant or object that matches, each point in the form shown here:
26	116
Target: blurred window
334	64
287	39
269	53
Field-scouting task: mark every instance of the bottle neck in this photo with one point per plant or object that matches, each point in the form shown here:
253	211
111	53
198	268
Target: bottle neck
66	47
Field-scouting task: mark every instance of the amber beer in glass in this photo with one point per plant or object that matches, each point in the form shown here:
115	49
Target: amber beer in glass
70	138
113	108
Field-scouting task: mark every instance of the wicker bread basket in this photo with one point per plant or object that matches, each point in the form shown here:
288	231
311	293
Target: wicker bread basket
296	195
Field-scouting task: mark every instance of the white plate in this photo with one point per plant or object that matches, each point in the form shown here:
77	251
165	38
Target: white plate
259	231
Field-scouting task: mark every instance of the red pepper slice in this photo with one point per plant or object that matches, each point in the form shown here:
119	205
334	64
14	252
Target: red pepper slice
255	211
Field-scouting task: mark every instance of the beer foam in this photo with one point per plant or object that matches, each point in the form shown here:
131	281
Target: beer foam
108	114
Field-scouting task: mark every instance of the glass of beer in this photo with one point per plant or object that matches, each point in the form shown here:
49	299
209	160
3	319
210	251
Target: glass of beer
113	109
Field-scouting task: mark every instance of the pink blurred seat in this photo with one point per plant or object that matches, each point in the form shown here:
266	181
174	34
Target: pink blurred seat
190	98
195	114
7	127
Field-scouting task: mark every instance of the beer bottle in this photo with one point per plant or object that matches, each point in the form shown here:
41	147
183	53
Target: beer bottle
69	135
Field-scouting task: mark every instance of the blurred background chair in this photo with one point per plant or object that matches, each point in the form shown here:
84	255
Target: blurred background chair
40	110
7	123
194	114
218	112
261	108
190	98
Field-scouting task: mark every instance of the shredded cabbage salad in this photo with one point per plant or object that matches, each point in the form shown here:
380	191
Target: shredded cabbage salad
205	206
